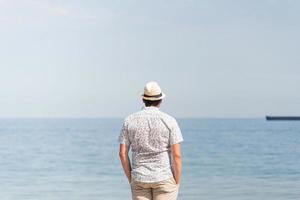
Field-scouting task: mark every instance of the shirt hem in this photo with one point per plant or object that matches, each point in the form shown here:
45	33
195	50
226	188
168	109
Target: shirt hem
152	181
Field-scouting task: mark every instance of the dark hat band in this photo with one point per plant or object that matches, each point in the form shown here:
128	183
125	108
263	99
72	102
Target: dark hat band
155	96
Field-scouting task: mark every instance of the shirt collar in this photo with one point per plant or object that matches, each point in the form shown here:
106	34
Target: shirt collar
150	108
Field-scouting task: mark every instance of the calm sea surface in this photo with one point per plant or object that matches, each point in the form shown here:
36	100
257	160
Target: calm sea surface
77	159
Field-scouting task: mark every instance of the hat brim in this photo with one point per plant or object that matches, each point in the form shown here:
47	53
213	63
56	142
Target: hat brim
154	98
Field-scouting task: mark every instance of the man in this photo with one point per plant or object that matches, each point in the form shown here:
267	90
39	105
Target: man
154	138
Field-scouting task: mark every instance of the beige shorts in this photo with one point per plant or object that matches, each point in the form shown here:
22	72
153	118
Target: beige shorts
163	190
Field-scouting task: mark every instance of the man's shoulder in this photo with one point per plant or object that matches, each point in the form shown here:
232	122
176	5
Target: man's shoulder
167	116
140	113
133	116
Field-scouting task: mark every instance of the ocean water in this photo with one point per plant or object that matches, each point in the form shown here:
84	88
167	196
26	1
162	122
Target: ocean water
77	159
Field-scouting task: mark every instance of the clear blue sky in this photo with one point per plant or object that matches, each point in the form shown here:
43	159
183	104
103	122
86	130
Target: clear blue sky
92	58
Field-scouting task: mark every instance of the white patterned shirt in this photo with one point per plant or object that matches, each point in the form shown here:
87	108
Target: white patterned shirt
150	133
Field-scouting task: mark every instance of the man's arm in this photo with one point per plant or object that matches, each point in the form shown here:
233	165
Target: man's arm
123	154
177	166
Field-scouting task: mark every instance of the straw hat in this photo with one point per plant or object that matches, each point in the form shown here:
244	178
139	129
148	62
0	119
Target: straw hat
153	92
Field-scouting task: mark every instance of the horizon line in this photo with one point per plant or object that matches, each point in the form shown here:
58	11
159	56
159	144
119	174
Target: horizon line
120	117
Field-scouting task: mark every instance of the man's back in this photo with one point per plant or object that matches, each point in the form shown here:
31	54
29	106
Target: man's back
150	133
154	170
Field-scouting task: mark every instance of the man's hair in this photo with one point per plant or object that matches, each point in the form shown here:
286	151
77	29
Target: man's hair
151	103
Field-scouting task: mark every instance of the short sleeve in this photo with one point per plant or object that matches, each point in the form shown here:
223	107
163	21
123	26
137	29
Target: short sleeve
175	133
123	137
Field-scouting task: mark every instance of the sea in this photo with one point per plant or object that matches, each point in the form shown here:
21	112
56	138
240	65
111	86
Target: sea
77	159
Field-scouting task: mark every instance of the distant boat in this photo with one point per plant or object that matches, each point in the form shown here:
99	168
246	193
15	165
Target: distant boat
282	117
